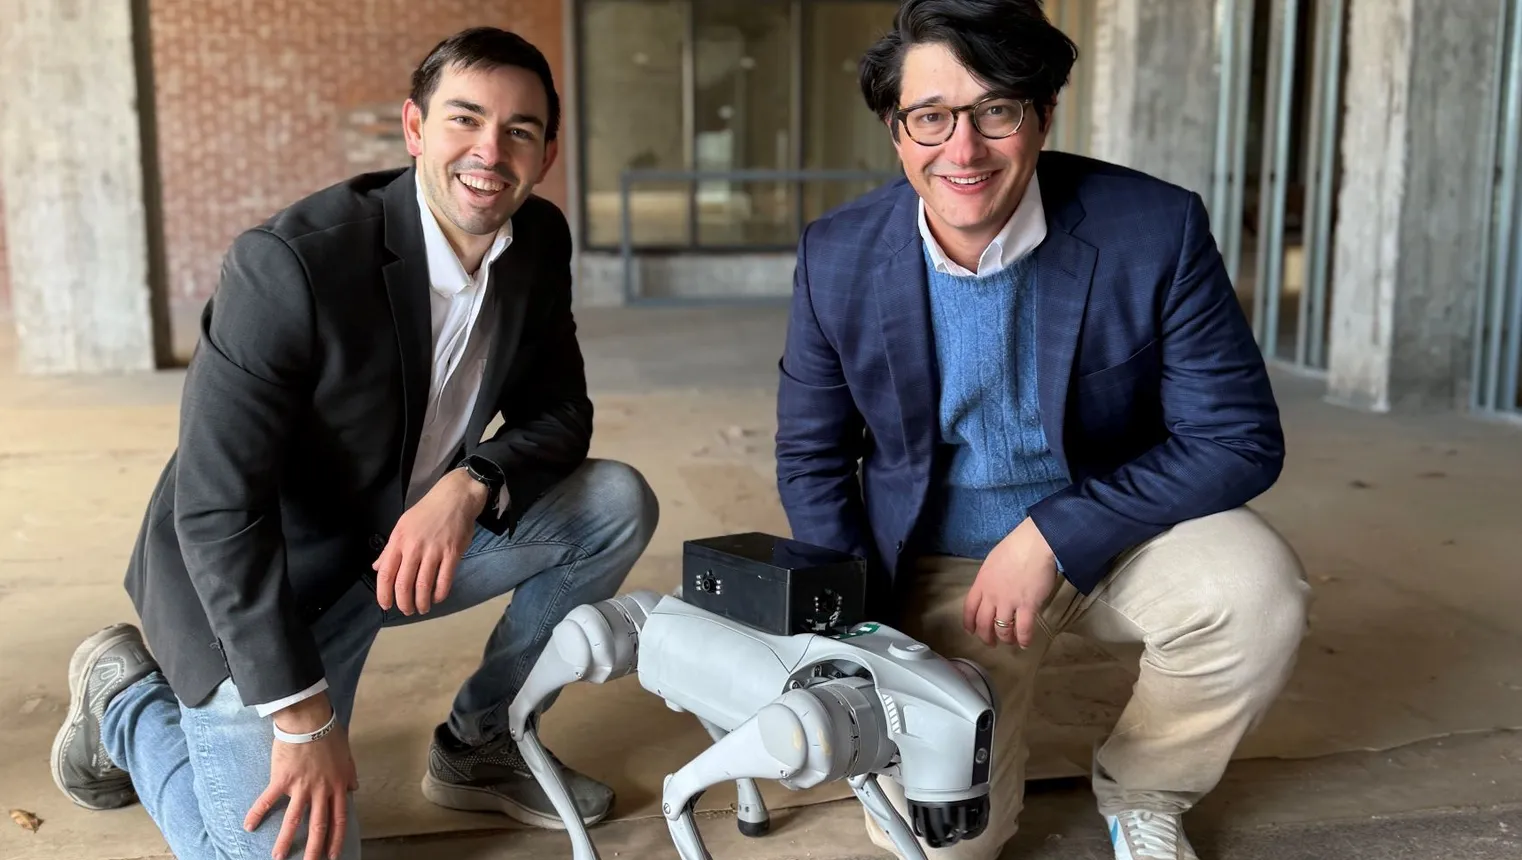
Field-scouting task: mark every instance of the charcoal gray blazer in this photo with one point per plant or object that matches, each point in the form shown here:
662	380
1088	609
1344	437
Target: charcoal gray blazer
300	419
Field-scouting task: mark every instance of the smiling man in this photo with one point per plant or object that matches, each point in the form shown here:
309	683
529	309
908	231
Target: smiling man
333	477
1020	384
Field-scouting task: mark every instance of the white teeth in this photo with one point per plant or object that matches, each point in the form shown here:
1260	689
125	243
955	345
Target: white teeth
481	184
967	180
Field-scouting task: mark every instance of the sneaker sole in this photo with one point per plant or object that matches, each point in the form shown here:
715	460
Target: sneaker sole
468	799
86	654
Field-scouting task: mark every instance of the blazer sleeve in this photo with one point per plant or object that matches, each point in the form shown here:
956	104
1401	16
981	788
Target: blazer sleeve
546	429
820	432
1224	446
247	386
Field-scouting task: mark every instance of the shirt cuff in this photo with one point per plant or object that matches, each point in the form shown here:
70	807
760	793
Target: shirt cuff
280	705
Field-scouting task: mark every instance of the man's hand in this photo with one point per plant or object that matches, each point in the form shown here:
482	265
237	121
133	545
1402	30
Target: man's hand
417	565
1012	586
316	776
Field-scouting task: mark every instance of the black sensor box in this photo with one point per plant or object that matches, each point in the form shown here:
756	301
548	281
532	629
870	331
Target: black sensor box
775	584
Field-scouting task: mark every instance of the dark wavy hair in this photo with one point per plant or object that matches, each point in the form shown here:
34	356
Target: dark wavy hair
486	47
1009	44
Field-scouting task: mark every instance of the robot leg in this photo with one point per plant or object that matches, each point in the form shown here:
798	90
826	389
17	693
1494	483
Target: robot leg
595	642
805	738
752	817
871	795
768	745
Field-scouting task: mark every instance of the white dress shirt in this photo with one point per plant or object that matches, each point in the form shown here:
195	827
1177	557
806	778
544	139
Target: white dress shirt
461	337
461	342
1021	234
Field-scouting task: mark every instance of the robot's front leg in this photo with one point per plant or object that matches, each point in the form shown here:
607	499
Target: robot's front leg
595	642
750	812
871	795
769	745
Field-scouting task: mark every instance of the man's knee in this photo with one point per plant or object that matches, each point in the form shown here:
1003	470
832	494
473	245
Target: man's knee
1255	592
622	493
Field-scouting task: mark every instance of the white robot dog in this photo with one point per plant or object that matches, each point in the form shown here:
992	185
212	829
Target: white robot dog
804	708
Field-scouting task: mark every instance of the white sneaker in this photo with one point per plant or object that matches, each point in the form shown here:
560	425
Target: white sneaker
1140	835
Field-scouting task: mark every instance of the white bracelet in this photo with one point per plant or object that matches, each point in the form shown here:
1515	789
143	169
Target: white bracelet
309	737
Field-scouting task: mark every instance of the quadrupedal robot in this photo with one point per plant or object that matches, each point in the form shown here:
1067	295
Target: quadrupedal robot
766	645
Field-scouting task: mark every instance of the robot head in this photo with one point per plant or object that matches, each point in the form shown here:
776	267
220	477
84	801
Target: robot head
941	821
924	720
943	728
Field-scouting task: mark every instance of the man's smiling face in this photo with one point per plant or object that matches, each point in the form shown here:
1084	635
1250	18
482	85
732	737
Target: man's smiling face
971	184
481	148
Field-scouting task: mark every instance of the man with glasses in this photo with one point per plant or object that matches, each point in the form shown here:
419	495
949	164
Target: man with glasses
1019	382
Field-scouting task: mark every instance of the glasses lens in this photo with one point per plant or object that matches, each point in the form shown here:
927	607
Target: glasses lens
1000	118
928	124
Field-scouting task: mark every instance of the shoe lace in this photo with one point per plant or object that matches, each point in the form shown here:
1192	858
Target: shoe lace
1151	833
505	751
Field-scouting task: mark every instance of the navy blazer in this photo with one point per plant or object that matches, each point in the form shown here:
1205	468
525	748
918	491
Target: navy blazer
1153	392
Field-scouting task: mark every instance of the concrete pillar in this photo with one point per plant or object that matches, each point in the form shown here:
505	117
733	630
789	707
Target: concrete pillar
1412	218
1154	87
72	168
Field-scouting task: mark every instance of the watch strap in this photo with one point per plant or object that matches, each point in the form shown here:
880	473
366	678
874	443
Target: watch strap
487	473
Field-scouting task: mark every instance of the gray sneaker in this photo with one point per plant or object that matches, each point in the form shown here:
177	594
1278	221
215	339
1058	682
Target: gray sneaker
495	778
103	665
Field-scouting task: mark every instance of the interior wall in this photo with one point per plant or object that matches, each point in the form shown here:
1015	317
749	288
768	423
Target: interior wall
71	161
1408	263
1154	87
260	104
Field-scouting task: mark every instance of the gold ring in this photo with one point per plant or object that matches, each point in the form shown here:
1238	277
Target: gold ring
998	623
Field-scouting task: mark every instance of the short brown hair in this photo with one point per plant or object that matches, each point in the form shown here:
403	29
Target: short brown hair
487	47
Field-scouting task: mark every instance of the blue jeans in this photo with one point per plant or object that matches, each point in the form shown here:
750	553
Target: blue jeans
198	770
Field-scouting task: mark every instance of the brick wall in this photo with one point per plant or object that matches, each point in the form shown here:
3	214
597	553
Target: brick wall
262	101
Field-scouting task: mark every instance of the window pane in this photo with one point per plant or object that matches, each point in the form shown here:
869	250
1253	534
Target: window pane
742	100
840	133
633	117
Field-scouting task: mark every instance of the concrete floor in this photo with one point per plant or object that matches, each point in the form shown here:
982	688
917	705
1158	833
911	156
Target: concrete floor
1394	741
1435	800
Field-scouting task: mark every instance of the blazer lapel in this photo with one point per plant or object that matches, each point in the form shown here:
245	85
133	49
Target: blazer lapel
1064	273
901	289
512	277
407	289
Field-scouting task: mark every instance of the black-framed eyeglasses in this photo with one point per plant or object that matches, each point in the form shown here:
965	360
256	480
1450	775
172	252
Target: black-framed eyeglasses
995	117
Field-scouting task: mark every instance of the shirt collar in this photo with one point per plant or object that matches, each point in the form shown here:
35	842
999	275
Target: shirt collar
446	274
1021	234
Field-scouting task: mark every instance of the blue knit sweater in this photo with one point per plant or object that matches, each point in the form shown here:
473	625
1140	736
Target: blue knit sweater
995	463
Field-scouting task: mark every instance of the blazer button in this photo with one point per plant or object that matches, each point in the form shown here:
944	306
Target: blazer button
377	543
898	547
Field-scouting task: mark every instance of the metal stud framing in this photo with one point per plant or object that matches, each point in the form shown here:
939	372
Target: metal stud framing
1498	321
1234	34
1280	139
1321	168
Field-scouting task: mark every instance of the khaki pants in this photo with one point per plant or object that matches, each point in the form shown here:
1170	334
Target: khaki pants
1218	606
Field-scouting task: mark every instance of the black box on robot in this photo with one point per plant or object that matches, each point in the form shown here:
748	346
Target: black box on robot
777	585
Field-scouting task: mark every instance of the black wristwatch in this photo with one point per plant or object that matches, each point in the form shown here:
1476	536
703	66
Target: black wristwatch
485	471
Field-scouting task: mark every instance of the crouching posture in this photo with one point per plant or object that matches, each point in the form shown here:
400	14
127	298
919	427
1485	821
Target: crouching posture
1020	384
334	476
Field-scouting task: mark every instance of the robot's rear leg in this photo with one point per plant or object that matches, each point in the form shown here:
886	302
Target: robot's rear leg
752	817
